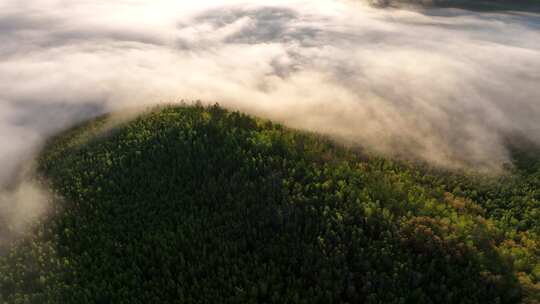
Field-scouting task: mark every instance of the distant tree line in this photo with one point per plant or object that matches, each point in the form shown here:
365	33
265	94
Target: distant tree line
195	204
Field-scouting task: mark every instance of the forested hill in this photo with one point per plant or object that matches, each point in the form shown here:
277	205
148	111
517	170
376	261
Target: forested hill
192	204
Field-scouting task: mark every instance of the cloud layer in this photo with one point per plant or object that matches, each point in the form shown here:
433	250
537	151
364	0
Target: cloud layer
442	85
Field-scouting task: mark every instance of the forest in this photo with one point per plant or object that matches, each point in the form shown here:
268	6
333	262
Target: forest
199	204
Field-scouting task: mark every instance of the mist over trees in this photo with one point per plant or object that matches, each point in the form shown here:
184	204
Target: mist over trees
428	83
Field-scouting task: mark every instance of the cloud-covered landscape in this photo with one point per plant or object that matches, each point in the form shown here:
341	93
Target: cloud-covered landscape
449	89
440	85
443	84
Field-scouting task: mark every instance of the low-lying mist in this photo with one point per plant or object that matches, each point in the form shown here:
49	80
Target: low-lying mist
444	86
20	206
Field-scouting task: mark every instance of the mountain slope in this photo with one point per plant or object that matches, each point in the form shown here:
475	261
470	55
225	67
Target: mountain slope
193	204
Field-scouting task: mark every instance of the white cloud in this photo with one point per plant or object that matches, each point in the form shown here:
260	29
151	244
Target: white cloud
443	85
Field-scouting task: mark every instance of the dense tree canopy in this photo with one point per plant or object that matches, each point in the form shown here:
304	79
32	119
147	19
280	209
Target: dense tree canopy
193	204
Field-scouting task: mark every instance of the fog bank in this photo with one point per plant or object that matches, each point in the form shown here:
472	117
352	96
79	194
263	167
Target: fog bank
440	85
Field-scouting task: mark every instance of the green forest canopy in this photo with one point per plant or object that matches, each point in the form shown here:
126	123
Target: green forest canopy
193	204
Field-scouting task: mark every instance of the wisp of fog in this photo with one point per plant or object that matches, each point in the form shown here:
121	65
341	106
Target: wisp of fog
440	85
